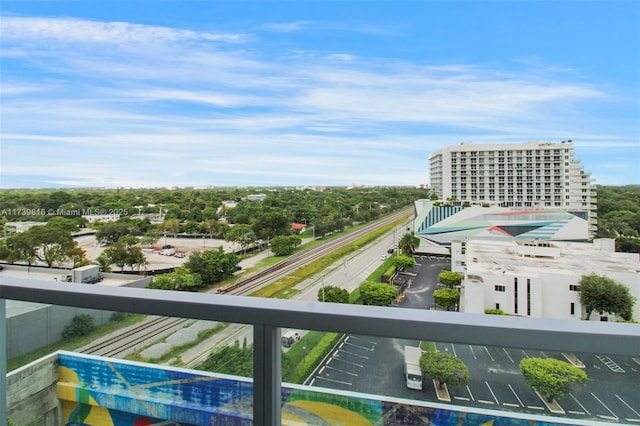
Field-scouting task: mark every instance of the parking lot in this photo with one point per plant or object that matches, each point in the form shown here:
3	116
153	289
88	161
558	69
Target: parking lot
375	365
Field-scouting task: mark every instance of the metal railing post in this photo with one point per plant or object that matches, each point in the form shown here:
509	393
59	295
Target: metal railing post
267	376
3	362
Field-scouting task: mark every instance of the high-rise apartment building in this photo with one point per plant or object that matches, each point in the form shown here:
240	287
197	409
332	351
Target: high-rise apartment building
534	175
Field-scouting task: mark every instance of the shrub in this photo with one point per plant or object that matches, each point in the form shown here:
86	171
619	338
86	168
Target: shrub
118	316
81	325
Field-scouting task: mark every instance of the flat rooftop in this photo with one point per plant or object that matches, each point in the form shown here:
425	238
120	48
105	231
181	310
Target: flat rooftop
492	256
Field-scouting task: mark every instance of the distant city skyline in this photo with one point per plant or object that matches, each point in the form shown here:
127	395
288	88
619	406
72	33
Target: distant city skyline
220	93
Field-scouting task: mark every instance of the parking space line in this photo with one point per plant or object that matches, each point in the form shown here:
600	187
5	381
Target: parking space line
576	412
627	405
371	342
462	398
343	371
473	352
508	356
347	362
470	394
492	394
487	351
608	409
509	404
535	407
335	381
581	406
484	401
354	354
359	347
516	395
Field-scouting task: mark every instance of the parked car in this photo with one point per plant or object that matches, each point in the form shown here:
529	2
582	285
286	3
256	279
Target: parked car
289	338
91	280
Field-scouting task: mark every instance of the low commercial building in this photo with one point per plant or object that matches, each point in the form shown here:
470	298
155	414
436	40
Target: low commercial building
539	278
16	227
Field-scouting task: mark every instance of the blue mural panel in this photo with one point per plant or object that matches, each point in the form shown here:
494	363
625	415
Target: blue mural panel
104	391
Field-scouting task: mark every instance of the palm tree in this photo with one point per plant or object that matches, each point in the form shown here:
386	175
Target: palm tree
408	243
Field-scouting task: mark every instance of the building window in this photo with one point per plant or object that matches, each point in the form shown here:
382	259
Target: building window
572	308
497	306
574	287
499	288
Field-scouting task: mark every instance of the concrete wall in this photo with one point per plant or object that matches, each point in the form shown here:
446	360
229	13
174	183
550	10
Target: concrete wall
31	393
44	325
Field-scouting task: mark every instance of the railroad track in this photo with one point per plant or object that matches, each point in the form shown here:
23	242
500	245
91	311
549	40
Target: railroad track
133	338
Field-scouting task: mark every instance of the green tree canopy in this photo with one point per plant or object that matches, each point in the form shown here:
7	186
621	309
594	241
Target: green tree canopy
450	279
377	294
181	279
446	297
241	234
50	243
284	245
333	294
212	265
403	262
551	377
603	294
445	368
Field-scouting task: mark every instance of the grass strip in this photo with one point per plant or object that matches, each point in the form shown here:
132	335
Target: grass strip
283	288
303	357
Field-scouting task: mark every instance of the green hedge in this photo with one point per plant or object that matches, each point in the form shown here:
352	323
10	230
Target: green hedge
299	362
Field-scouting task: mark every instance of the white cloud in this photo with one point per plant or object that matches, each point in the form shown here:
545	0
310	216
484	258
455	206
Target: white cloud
84	31
180	107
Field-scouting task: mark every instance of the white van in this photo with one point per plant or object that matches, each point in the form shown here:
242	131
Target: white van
289	338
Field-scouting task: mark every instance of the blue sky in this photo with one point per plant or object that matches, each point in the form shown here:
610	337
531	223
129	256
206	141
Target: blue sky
211	93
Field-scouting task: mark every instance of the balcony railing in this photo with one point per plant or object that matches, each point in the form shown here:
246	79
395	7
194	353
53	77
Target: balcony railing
268	316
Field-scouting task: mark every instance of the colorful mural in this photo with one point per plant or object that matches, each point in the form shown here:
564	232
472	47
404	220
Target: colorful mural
442	224
104	391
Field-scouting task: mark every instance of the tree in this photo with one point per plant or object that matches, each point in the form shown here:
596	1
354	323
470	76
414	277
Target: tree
113	231
242	235
181	279
333	294
77	255
408	243
446	297
377	294
284	245
445	368
212	265
268	225
104	263
602	294
403	262
551	377
50	243
20	247
117	254
171	227
450	279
